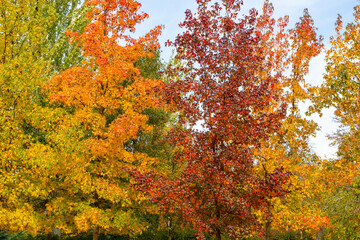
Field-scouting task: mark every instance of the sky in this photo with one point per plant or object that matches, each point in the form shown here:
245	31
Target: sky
170	13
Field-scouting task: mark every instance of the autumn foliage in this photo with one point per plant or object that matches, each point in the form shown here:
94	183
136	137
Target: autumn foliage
225	90
107	97
96	136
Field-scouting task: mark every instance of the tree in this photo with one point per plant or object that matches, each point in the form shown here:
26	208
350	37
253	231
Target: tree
340	90
25	29
286	166
224	87
105	98
69	15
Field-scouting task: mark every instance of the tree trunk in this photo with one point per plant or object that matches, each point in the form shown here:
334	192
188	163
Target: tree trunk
218	234
320	234
49	236
169	226
269	210
268	230
96	233
57	233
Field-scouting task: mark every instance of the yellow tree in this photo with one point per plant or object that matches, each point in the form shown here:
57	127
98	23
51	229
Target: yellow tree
105	99
340	90
25	26
286	168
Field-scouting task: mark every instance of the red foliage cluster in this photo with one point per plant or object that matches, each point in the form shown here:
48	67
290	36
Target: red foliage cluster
223	89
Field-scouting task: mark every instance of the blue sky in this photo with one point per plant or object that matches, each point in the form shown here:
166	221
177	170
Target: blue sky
324	12
171	12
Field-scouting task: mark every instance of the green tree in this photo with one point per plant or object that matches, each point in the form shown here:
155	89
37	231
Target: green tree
69	16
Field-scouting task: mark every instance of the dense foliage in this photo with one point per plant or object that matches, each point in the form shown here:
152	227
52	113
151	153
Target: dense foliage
100	139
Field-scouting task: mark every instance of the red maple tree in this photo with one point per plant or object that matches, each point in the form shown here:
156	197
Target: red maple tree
230	86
